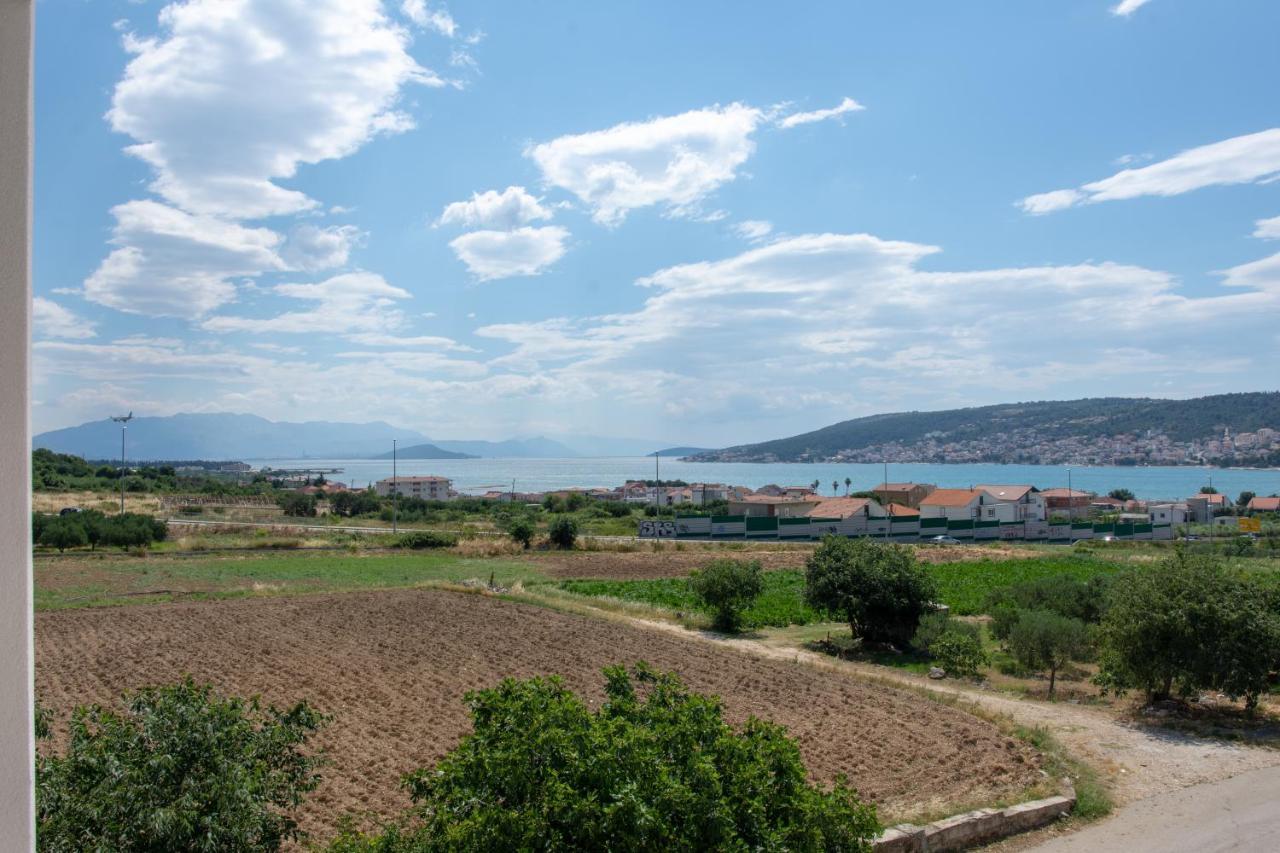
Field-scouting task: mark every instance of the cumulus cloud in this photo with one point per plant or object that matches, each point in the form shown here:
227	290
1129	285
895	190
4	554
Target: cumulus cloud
51	320
753	230
1267	229
1238	160
350	302
176	264
508	209
311	248
502	254
1125	8
847	105
430	18
230	98
377	339
675	161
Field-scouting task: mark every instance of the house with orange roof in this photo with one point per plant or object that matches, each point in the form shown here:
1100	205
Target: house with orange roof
770	506
907	494
1019	502
955	504
1260	504
848	508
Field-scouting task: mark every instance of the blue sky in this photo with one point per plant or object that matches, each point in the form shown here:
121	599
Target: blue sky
704	223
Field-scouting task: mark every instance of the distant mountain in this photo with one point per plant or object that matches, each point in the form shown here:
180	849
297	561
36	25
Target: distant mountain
1101	431
515	448
425	451
226	436
680	451
602	445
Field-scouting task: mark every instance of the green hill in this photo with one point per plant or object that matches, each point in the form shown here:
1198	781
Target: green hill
1017	432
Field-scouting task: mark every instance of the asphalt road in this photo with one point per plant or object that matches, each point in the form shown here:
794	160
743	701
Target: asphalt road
1240	813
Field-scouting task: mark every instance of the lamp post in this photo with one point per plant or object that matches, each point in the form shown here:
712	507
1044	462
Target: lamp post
888	513
395	491
123	420
1071	504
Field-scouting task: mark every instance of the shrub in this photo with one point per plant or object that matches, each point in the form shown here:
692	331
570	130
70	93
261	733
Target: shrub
934	626
1043	640
297	505
726	588
522	530
421	539
563	532
1075	598
662	771
879	589
1186	625
131	530
63	532
960	654
181	769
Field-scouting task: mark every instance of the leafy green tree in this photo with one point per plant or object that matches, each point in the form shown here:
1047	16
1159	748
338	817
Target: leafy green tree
727	588
960	654
835	487
1245	497
1208	490
1044	640
63	532
39	521
298	505
1063	594
1121	494
848	484
563	532
522	530
132	530
655	768
1188	624
880	590
181	769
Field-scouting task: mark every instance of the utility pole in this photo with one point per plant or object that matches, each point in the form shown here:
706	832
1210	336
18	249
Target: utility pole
123	420
1071	503
888	512
513	491
395	491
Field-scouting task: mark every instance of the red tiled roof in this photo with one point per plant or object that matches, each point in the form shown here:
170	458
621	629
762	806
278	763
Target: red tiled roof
840	507
1064	493
900	510
950	497
1265	504
1005	492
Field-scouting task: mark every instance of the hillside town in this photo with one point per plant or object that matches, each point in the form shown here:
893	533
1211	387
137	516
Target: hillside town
1031	446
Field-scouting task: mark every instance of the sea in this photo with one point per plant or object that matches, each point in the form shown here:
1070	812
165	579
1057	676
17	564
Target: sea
475	476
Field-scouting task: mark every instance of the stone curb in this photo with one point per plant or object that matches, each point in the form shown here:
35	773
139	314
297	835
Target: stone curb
966	830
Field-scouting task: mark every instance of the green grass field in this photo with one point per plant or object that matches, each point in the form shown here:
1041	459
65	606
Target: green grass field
89	581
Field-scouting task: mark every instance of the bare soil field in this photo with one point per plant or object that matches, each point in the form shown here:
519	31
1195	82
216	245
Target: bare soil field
391	667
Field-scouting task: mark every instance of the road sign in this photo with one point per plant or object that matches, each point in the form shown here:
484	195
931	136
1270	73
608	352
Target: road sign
1250	525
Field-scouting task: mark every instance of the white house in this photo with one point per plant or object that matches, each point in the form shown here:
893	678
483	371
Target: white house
1167	513
956	504
1012	503
427	488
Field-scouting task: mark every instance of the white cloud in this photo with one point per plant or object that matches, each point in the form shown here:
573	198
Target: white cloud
51	320
847	105
675	160
232	97
1267	229
1263	274
508	209
1125	8
175	264
351	302
1239	160
502	254
429	18
377	339
311	248
753	230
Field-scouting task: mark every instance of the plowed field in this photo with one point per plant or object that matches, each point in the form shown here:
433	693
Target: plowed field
391	667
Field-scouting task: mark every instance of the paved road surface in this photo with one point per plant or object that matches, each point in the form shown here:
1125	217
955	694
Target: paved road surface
1241	813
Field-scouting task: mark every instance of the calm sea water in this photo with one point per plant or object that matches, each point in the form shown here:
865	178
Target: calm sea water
536	475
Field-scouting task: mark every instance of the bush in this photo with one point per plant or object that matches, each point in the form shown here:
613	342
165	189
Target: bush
726	588
131	530
960	654
297	505
522	530
181	769
1043	640
63	532
1075	598
934	626
563	532
1187	625
879	589
421	539
662	771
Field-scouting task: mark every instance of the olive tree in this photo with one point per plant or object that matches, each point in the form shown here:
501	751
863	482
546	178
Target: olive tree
727	588
1043	640
880	590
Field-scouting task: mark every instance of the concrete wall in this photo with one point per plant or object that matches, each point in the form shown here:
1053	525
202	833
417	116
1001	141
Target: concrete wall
17	755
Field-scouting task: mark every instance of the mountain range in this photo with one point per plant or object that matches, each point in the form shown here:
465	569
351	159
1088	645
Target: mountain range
220	436
1102	431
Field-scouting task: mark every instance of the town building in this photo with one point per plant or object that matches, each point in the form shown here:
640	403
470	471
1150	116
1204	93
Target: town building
429	488
1167	513
1204	507
1013	502
770	506
848	508
1070	502
955	504
907	494
1259	504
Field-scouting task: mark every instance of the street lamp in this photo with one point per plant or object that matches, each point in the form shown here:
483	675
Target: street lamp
395	491
1071	504
123	420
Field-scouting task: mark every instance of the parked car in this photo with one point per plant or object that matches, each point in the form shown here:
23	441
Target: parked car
945	540
69	510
